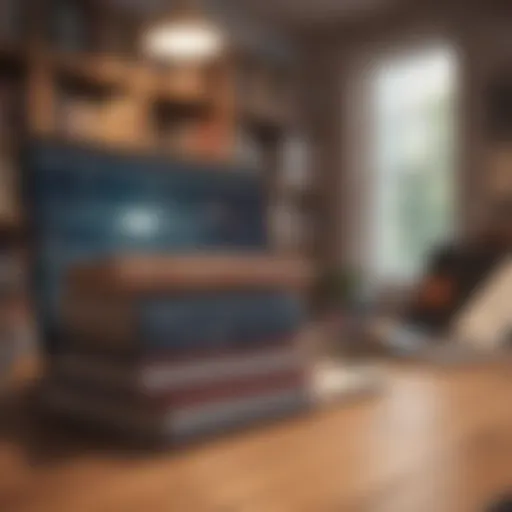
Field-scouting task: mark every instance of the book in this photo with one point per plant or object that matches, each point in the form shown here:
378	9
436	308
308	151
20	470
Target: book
179	323
177	425
175	397
158	374
249	271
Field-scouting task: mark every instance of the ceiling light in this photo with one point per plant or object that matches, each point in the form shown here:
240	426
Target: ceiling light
186	37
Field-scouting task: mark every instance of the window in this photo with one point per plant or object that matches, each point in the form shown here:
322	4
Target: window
413	167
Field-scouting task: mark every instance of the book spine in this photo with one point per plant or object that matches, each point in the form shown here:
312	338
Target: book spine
182	324
177	425
178	375
91	321
196	421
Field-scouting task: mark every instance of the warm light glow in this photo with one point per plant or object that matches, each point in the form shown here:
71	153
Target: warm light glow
191	40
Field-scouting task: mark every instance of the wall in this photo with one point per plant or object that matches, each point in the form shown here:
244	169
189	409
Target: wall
480	34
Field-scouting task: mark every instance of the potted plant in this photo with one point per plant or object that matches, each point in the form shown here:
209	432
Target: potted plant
336	296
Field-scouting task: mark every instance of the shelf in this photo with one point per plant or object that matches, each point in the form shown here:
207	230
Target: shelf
101	72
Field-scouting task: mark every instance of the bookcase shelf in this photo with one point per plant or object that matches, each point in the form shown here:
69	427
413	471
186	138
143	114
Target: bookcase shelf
103	94
96	71
146	102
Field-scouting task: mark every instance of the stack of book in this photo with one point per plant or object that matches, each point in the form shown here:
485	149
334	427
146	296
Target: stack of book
178	347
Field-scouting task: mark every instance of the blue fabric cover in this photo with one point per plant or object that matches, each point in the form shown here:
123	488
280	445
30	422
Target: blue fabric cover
221	320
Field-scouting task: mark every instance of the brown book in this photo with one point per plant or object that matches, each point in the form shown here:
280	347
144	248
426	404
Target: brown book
142	275
206	393
189	370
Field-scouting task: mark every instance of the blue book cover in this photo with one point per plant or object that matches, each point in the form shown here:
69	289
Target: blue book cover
87	203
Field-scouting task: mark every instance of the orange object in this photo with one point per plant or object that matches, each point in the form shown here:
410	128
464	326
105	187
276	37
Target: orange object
437	292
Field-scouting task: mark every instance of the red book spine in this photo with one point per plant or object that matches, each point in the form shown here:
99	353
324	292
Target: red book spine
231	390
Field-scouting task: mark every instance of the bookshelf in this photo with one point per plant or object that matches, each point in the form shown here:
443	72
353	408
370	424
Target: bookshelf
239	107
72	70
81	76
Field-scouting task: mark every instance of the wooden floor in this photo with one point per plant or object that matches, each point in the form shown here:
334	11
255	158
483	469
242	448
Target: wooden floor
435	440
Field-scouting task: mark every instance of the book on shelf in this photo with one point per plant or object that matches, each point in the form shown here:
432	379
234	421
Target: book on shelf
11	20
70	28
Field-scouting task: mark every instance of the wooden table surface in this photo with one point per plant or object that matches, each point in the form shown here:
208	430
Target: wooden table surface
435	440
